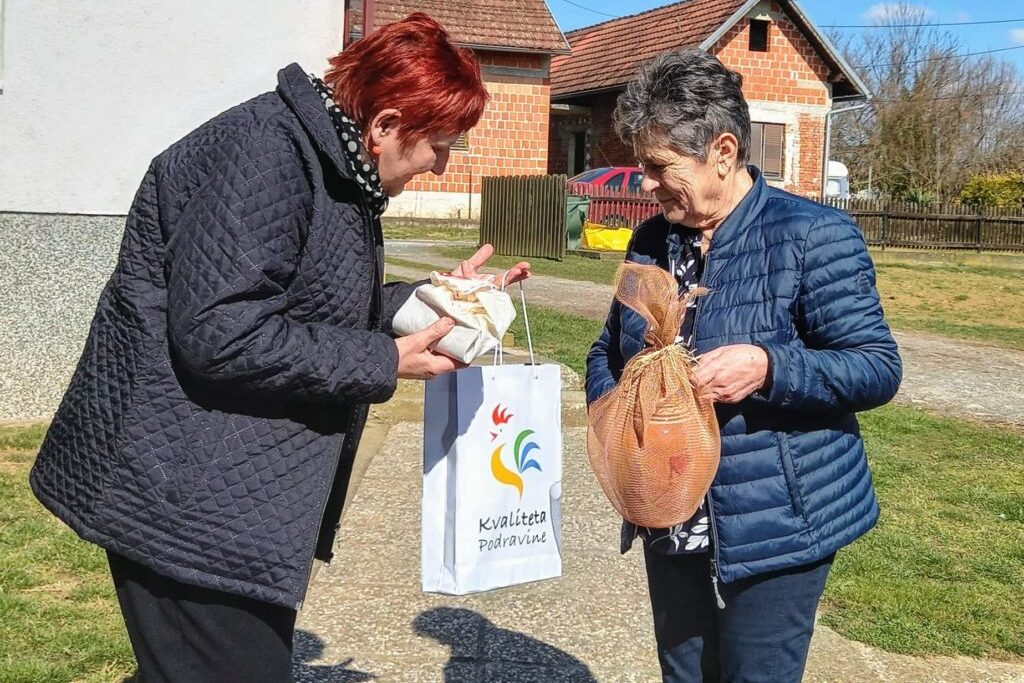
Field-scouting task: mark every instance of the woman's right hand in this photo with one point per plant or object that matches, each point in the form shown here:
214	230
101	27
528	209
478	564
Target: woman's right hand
733	372
415	358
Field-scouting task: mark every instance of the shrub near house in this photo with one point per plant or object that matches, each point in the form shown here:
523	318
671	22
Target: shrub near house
995	190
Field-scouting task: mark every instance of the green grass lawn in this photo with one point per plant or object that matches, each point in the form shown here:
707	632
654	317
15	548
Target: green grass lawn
439	232
973	303
415	265
559	336
941	574
59	620
572	268
943	571
964	302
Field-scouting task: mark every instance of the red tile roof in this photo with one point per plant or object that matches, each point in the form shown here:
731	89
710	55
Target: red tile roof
608	54
517	24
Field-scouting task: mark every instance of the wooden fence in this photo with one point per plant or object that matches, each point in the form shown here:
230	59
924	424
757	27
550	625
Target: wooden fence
524	215
947	226
617	208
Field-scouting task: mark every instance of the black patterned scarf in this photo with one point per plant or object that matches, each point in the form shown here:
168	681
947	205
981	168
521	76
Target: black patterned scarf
362	165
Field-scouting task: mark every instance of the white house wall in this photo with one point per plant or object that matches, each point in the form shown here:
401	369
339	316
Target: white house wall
93	90
422	204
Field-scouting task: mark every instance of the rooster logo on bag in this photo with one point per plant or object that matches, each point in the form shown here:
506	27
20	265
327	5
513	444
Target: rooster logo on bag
521	450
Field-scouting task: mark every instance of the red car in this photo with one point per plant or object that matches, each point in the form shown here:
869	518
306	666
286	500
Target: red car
616	199
620	178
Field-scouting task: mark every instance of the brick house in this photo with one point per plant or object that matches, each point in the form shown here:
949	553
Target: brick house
515	41
792	76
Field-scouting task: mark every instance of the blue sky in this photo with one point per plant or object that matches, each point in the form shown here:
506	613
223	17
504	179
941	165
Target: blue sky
823	12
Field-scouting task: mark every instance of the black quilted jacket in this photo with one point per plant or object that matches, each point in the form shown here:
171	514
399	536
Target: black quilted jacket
210	427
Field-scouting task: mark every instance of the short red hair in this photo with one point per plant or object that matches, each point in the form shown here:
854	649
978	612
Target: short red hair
410	65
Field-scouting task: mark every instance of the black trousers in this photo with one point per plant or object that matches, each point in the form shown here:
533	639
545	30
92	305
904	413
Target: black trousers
185	634
762	635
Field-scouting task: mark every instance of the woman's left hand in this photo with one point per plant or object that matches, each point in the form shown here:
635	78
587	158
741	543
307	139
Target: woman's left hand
471	266
731	373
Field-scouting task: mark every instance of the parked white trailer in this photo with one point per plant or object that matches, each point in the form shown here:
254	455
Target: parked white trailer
837	184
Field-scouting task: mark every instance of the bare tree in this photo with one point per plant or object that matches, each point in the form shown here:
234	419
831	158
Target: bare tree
936	117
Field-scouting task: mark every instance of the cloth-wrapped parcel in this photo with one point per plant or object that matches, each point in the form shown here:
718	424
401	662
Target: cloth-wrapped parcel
482	312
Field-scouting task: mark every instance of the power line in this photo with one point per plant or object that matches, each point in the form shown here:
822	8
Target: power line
951	97
988	22
939	59
590	9
888	26
924	25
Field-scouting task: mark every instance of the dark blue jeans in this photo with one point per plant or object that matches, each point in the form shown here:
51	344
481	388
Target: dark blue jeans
761	636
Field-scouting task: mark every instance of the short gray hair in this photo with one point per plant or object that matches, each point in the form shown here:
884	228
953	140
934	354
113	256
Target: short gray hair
684	100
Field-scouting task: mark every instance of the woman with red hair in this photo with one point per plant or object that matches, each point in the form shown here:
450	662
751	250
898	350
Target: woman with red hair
207	437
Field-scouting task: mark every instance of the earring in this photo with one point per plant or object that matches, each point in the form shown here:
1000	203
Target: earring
376	150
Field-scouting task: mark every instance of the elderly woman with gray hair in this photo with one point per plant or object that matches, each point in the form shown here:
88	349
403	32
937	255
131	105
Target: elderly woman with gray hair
791	342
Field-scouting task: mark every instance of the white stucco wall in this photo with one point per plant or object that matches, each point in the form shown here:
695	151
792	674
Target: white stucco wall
419	204
92	90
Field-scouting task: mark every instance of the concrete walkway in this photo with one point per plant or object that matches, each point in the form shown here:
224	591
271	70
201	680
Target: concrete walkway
366	618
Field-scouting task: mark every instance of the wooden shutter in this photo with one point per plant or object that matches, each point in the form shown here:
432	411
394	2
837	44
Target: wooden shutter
772	160
756	144
461	143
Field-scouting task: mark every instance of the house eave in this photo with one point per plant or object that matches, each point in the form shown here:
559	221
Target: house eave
519	50
744	9
585	93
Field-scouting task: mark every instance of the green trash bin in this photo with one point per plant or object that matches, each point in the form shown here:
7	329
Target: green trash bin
575	216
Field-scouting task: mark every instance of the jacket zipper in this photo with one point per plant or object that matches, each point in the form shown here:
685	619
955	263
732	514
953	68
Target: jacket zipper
714	551
341	449
711	506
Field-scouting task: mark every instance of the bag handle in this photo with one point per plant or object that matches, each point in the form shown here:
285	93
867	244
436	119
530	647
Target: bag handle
499	356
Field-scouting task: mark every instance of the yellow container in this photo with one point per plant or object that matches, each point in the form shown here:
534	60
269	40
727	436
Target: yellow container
602	238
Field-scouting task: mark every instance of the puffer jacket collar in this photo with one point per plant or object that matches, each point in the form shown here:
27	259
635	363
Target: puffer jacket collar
739	221
294	87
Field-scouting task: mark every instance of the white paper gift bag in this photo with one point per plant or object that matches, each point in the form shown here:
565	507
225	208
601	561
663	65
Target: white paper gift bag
482	312
492	471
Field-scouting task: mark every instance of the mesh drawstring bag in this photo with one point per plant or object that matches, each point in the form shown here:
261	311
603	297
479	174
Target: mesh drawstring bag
653	441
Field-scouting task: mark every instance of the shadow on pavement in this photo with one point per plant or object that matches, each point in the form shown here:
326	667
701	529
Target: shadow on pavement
482	652
308	648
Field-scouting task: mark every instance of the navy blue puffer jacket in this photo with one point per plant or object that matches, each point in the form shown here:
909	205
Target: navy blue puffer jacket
795	278
209	430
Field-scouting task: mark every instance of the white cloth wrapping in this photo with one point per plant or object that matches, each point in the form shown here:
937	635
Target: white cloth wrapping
481	310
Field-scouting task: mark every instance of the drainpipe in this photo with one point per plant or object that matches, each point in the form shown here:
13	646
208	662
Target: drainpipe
828	141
